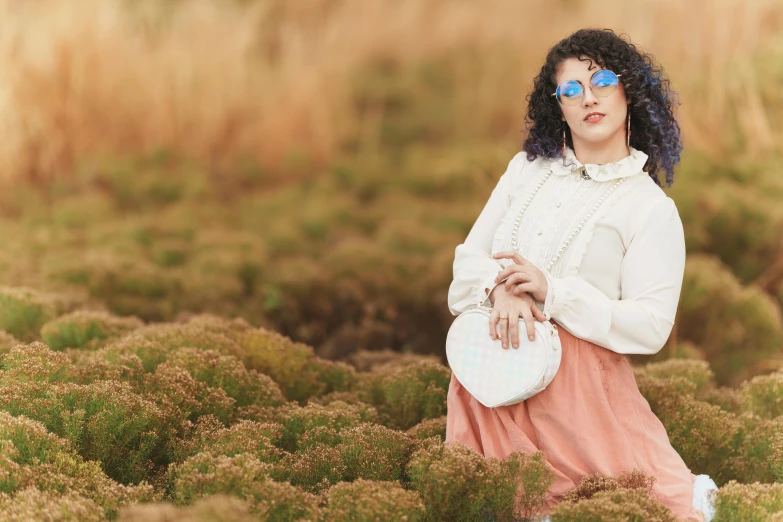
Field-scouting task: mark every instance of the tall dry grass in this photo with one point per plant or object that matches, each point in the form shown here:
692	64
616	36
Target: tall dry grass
263	79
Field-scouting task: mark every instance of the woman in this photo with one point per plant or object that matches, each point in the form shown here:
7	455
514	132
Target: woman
612	290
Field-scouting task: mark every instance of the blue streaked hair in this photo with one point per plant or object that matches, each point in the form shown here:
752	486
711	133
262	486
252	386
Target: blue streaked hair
654	129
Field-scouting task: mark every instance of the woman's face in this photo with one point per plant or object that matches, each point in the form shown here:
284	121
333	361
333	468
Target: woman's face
614	107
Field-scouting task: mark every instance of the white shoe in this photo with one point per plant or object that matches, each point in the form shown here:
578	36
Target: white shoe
701	487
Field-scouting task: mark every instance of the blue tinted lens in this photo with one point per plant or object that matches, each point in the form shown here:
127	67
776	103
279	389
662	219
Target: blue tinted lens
569	89
604	79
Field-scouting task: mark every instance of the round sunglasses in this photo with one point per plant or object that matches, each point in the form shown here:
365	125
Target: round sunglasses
603	83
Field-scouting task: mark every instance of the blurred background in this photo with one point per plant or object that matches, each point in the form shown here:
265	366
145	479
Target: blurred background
311	165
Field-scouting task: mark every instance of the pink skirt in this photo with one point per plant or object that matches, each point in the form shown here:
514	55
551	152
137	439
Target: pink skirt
591	418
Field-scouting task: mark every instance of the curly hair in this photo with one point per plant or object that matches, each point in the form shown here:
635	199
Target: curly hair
654	129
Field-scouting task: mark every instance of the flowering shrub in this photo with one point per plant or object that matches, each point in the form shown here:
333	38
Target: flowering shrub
34	362
294	366
209	434
631	505
429	428
748	502
104	420
368	501
763	395
221	507
78	328
7	341
405	395
242	475
23	310
34	504
457	483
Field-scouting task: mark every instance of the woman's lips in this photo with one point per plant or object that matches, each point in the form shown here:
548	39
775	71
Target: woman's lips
595	119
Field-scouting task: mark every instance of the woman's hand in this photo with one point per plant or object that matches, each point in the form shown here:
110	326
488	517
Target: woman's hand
523	276
506	309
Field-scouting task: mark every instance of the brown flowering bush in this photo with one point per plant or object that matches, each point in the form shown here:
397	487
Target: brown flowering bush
719	443
405	395
35	362
209	434
721	315
593	483
182	397
104	420
620	505
429	428
7	341
227	373
370	501
32	457
224	508
294	366
748	502
297	421
23	310
457	483
763	395
245	476
78	328
695	371
314	470
33	504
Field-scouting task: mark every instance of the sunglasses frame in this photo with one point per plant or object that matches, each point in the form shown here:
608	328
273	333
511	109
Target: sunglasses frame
583	87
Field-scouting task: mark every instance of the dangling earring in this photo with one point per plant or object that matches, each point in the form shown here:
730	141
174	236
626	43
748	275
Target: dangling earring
564	141
628	141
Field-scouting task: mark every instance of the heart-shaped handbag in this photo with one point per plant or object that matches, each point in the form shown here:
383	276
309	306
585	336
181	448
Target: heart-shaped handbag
496	376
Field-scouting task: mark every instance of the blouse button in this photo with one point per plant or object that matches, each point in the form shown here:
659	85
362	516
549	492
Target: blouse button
558	204
540	232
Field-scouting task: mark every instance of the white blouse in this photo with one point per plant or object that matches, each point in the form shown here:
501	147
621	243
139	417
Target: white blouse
618	282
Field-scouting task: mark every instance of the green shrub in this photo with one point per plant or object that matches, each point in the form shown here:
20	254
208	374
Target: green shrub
76	329
182	397
738	327
294	366
696	371
457	483
369	501
298	421
34	362
621	505
33	504
406	395
7	341
224	508
23	310
763	395
104	421
206	474
429	428
227	373
209	434
748	502
244	476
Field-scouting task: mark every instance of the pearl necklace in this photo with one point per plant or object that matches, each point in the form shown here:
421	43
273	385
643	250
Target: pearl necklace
515	231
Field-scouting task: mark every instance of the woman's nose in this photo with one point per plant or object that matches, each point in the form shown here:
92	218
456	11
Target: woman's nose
589	98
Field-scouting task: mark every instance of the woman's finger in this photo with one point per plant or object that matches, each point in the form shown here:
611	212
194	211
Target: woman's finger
503	329
537	313
530	323
513	328
494	315
518	278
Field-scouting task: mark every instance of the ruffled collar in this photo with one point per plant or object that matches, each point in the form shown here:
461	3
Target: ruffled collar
628	166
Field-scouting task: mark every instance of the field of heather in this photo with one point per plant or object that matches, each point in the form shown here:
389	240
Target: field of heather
228	229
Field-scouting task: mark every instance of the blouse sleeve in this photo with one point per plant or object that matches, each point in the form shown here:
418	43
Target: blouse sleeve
474	268
652	272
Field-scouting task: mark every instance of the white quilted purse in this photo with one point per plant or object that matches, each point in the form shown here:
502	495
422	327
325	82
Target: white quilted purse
496	376
500	377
